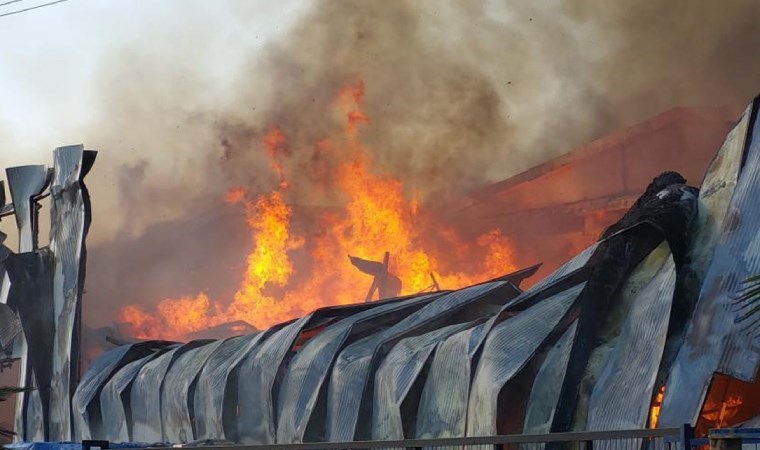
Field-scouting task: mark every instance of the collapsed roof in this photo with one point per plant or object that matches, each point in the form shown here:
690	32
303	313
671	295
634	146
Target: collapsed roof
649	306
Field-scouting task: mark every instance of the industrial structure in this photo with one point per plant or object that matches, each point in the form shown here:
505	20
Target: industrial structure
632	332
629	333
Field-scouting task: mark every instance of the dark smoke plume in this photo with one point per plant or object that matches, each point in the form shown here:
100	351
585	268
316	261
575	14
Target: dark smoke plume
460	94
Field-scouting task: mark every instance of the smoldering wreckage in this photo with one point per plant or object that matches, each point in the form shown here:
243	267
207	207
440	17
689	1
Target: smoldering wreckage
631	333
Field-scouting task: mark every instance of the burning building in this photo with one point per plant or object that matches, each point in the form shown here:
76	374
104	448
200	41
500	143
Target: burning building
642	328
556	209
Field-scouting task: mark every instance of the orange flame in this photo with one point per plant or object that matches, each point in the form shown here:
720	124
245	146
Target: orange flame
378	217
235	195
654	412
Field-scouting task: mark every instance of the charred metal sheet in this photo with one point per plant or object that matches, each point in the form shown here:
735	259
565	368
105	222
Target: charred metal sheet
69	223
607	341
10	326
25	183
115	408
619	400
310	367
256	383
721	335
546	386
351	380
661	214
5	289
178	393
86	400
452	366
31	285
212	387
507	349
714	198
443	406
518	276
566	269
145	395
394	381
260	373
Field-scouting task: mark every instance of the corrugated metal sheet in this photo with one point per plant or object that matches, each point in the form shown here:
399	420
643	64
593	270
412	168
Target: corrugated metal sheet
256	382
569	267
350	378
309	369
618	400
86	400
395	377
115	405
10	325
213	384
69	222
714	341
260	373
446	393
546	386
31	292
178	391
24	183
145	395
443	406
508	348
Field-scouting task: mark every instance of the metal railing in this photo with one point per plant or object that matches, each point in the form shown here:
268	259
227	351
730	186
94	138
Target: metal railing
656	439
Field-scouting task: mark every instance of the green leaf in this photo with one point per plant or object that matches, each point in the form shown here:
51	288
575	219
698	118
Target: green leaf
7	391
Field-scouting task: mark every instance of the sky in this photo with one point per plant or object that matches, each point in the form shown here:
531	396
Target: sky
50	58
53	61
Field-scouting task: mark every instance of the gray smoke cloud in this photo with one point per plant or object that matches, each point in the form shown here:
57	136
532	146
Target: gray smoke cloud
460	94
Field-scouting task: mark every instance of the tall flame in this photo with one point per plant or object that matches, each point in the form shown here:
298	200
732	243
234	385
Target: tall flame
378	217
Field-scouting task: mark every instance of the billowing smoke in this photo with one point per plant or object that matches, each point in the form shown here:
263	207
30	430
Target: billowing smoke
460	94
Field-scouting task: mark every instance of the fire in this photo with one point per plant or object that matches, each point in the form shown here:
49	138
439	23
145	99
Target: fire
654	412
378	216
729	402
235	195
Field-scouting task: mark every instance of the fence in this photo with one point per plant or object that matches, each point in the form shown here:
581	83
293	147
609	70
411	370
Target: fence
656	439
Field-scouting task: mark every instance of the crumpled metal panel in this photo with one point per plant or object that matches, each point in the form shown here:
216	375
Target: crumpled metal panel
256	382
546	386
212	385
395	377
569	267
115	408
260	374
10	326
720	335
25	183
145	395
178	393
69	223
86	399
507	349
309	368
443	406
31	284
619	397
351	376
